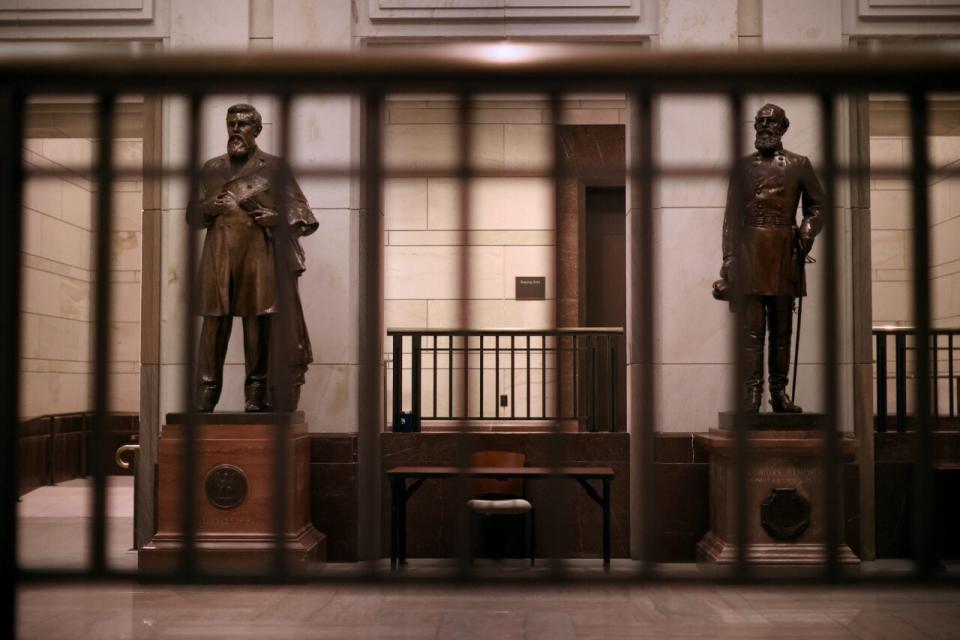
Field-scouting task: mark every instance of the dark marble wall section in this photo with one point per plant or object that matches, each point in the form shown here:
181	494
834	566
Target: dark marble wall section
55	448
333	492
682	515
568	522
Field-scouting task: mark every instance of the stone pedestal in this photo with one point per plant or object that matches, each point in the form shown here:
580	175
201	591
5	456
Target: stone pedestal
235	495
786	499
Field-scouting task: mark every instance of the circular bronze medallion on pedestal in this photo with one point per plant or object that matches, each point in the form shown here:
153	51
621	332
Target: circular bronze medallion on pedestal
225	486
785	514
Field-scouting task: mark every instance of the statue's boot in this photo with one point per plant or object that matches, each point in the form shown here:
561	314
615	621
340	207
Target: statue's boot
751	400
781	402
780	319
206	399
255	397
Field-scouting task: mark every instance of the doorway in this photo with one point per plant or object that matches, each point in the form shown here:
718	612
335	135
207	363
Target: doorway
605	289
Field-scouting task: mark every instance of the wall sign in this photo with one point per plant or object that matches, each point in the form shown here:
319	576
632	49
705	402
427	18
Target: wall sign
531	288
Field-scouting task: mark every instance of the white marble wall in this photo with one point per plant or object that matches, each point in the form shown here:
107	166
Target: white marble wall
59	282
511	230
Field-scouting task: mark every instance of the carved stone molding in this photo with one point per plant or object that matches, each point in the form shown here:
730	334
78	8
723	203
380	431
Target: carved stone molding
909	9
76	11
430	10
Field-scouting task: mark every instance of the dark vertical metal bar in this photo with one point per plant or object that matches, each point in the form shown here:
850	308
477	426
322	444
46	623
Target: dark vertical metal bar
416	390
900	379
612	354
496	375
528	374
831	343
513	383
594	383
101	332
935	379
464	178
642	174
924	515
282	347
11	244
950	385
466	376
434	414
740	457
397	381
881	381
369	402
559	363
450	376
543	375
575	365
481	375
188	489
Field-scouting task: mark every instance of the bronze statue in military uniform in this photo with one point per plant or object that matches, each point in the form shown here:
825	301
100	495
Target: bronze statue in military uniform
774	248
243	196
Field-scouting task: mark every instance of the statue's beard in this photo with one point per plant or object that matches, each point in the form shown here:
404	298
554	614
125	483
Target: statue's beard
767	141
237	147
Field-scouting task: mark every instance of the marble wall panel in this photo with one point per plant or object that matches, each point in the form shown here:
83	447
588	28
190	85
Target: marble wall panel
125	342
128	209
51	238
328	287
691	325
692	136
405	203
329	398
495	203
492	314
308	24
815	24
436	146
55	295
125	251
322	137
689	396
43	194
410	271
945	241
401	314
892	209
892	303
697	24
527	147
891	249
508	237
50	337
52	392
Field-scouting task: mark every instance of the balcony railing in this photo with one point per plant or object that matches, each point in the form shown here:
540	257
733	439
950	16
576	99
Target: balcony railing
567	375
900	369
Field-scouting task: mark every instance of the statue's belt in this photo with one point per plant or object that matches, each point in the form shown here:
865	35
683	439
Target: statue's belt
767	221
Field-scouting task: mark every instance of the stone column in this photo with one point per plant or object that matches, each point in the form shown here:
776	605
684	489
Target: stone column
691	359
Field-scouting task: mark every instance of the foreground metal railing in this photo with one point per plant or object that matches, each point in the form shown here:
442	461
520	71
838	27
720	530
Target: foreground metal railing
502	375
944	351
829	78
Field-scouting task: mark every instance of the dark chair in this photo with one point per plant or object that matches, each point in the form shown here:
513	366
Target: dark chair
501	497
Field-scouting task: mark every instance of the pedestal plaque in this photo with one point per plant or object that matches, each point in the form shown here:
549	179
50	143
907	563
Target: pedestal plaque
234	489
786	515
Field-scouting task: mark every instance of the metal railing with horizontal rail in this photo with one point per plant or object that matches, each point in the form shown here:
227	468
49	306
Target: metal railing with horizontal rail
944	383
502	375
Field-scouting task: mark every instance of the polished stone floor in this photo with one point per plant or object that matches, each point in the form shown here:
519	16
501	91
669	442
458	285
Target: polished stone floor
51	516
